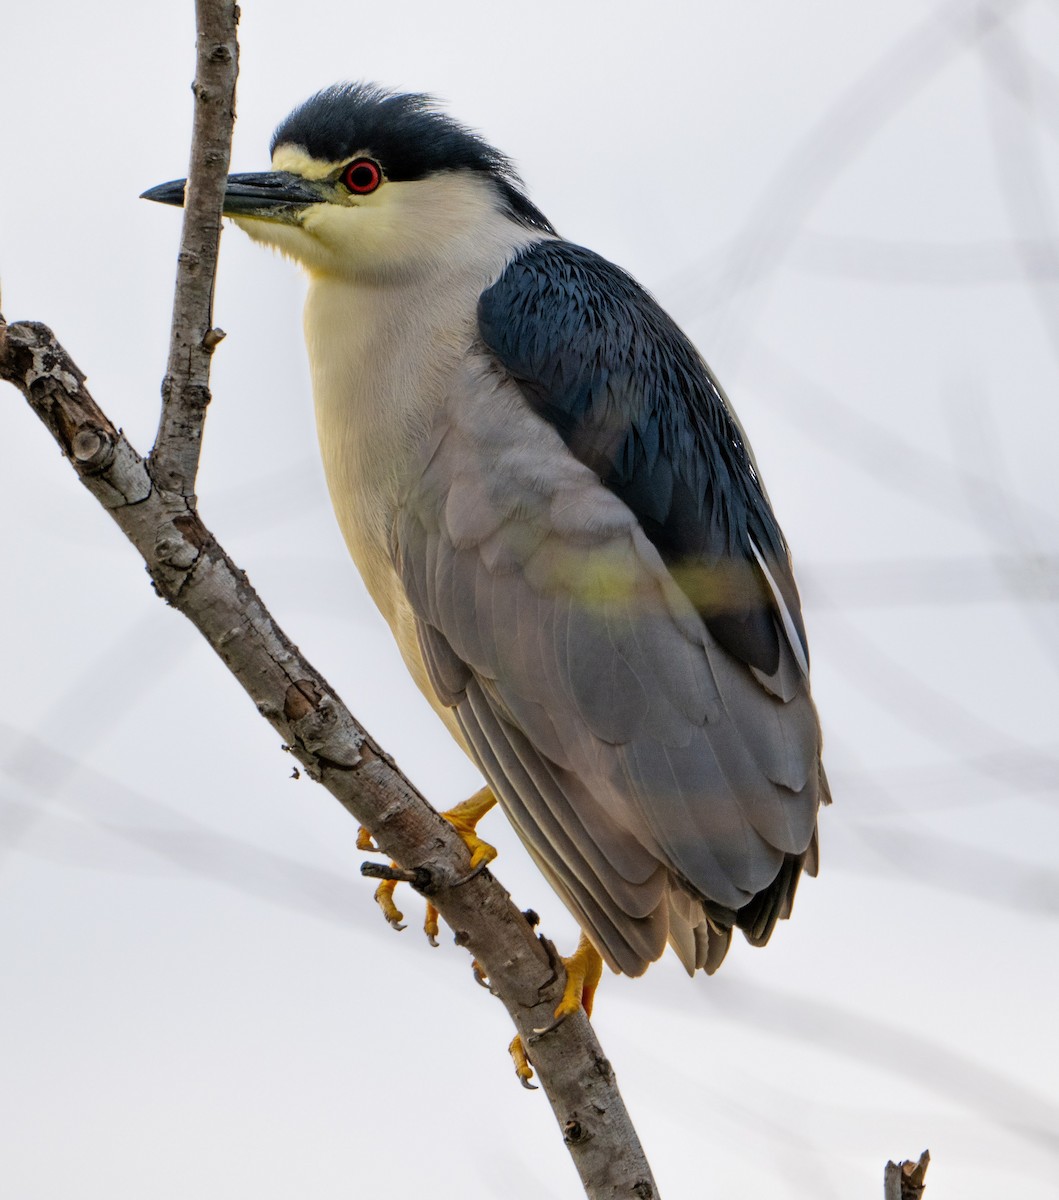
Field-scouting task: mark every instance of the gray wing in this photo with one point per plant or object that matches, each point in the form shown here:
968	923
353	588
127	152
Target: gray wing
664	790
596	357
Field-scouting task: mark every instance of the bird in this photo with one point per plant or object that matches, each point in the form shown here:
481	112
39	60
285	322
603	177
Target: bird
556	510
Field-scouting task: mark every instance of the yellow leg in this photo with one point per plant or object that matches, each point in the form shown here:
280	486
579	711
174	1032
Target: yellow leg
584	969
464	817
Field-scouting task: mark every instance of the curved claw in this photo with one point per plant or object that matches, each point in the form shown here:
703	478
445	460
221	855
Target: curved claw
559	1019
365	842
481	978
430	925
520	1058
384	899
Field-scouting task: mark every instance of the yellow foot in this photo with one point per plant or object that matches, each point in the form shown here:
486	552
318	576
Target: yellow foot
584	969
465	817
522	1063
384	899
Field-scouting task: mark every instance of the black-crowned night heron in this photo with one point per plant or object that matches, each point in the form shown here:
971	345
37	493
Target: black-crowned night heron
556	510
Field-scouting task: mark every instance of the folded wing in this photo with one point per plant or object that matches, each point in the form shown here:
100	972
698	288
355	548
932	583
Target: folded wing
604	598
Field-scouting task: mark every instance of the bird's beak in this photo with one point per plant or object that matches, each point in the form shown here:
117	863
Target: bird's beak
267	195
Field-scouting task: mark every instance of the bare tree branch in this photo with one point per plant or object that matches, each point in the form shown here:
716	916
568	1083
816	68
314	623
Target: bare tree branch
153	503
907	1180
174	461
192	572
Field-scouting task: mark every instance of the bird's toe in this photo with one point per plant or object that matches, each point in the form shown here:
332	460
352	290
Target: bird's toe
584	969
464	819
384	899
520	1058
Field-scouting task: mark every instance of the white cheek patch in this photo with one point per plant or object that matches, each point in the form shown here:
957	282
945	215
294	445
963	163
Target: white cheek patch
403	229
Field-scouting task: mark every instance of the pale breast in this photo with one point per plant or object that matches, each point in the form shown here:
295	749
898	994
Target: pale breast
386	359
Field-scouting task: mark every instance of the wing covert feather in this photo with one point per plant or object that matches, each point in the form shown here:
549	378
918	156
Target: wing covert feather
597	358
638	760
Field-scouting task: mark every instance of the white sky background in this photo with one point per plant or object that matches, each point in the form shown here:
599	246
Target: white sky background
851	209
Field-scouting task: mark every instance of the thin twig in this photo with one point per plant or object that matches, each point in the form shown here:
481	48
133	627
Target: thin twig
371	870
174	461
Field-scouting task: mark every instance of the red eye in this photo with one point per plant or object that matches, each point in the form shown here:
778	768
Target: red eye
362	176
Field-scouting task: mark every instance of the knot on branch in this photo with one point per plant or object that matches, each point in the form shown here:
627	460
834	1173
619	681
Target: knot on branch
197	395
176	553
301	699
574	1133
603	1068
317	721
192	530
92	448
